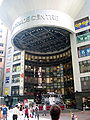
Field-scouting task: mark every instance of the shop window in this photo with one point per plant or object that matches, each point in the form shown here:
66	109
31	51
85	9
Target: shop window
16	67
15	90
85	83
17	57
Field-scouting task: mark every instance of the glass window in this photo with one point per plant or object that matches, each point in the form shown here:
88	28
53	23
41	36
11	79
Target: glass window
54	57
17	56
57	56
26	56
60	55
63	54
29	57
36	57
16	78
51	57
16	67
15	90
85	83
84	66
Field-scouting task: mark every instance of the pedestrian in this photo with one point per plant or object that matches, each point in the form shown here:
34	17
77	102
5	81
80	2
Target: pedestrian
44	110
21	112
15	112
10	113
4	109
33	111
37	112
26	112
55	112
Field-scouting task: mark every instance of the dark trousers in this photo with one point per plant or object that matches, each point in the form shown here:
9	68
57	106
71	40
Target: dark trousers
14	117
44	112
26	115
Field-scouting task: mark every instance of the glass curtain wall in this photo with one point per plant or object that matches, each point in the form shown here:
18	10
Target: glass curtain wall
51	73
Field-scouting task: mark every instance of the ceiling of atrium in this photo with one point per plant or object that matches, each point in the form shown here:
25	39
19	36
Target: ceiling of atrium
43	40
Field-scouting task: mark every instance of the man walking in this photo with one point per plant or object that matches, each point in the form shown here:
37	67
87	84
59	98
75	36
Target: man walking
37	112
4	109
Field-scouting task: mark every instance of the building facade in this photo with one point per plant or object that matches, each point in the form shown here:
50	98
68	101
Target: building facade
53	50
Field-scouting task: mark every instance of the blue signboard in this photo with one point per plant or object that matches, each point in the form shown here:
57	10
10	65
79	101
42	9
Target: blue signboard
7	80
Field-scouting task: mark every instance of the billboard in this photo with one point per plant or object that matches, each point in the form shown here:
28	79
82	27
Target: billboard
82	23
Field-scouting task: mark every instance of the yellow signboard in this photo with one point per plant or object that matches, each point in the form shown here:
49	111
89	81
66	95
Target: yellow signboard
6	91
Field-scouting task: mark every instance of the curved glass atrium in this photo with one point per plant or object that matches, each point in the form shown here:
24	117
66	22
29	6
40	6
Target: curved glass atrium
49	73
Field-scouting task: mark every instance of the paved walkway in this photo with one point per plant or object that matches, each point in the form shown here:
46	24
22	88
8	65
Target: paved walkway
64	116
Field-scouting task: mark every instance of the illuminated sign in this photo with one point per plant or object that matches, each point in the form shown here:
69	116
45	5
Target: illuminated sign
82	23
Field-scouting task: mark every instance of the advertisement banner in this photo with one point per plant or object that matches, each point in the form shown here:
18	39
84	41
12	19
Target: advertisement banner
82	23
